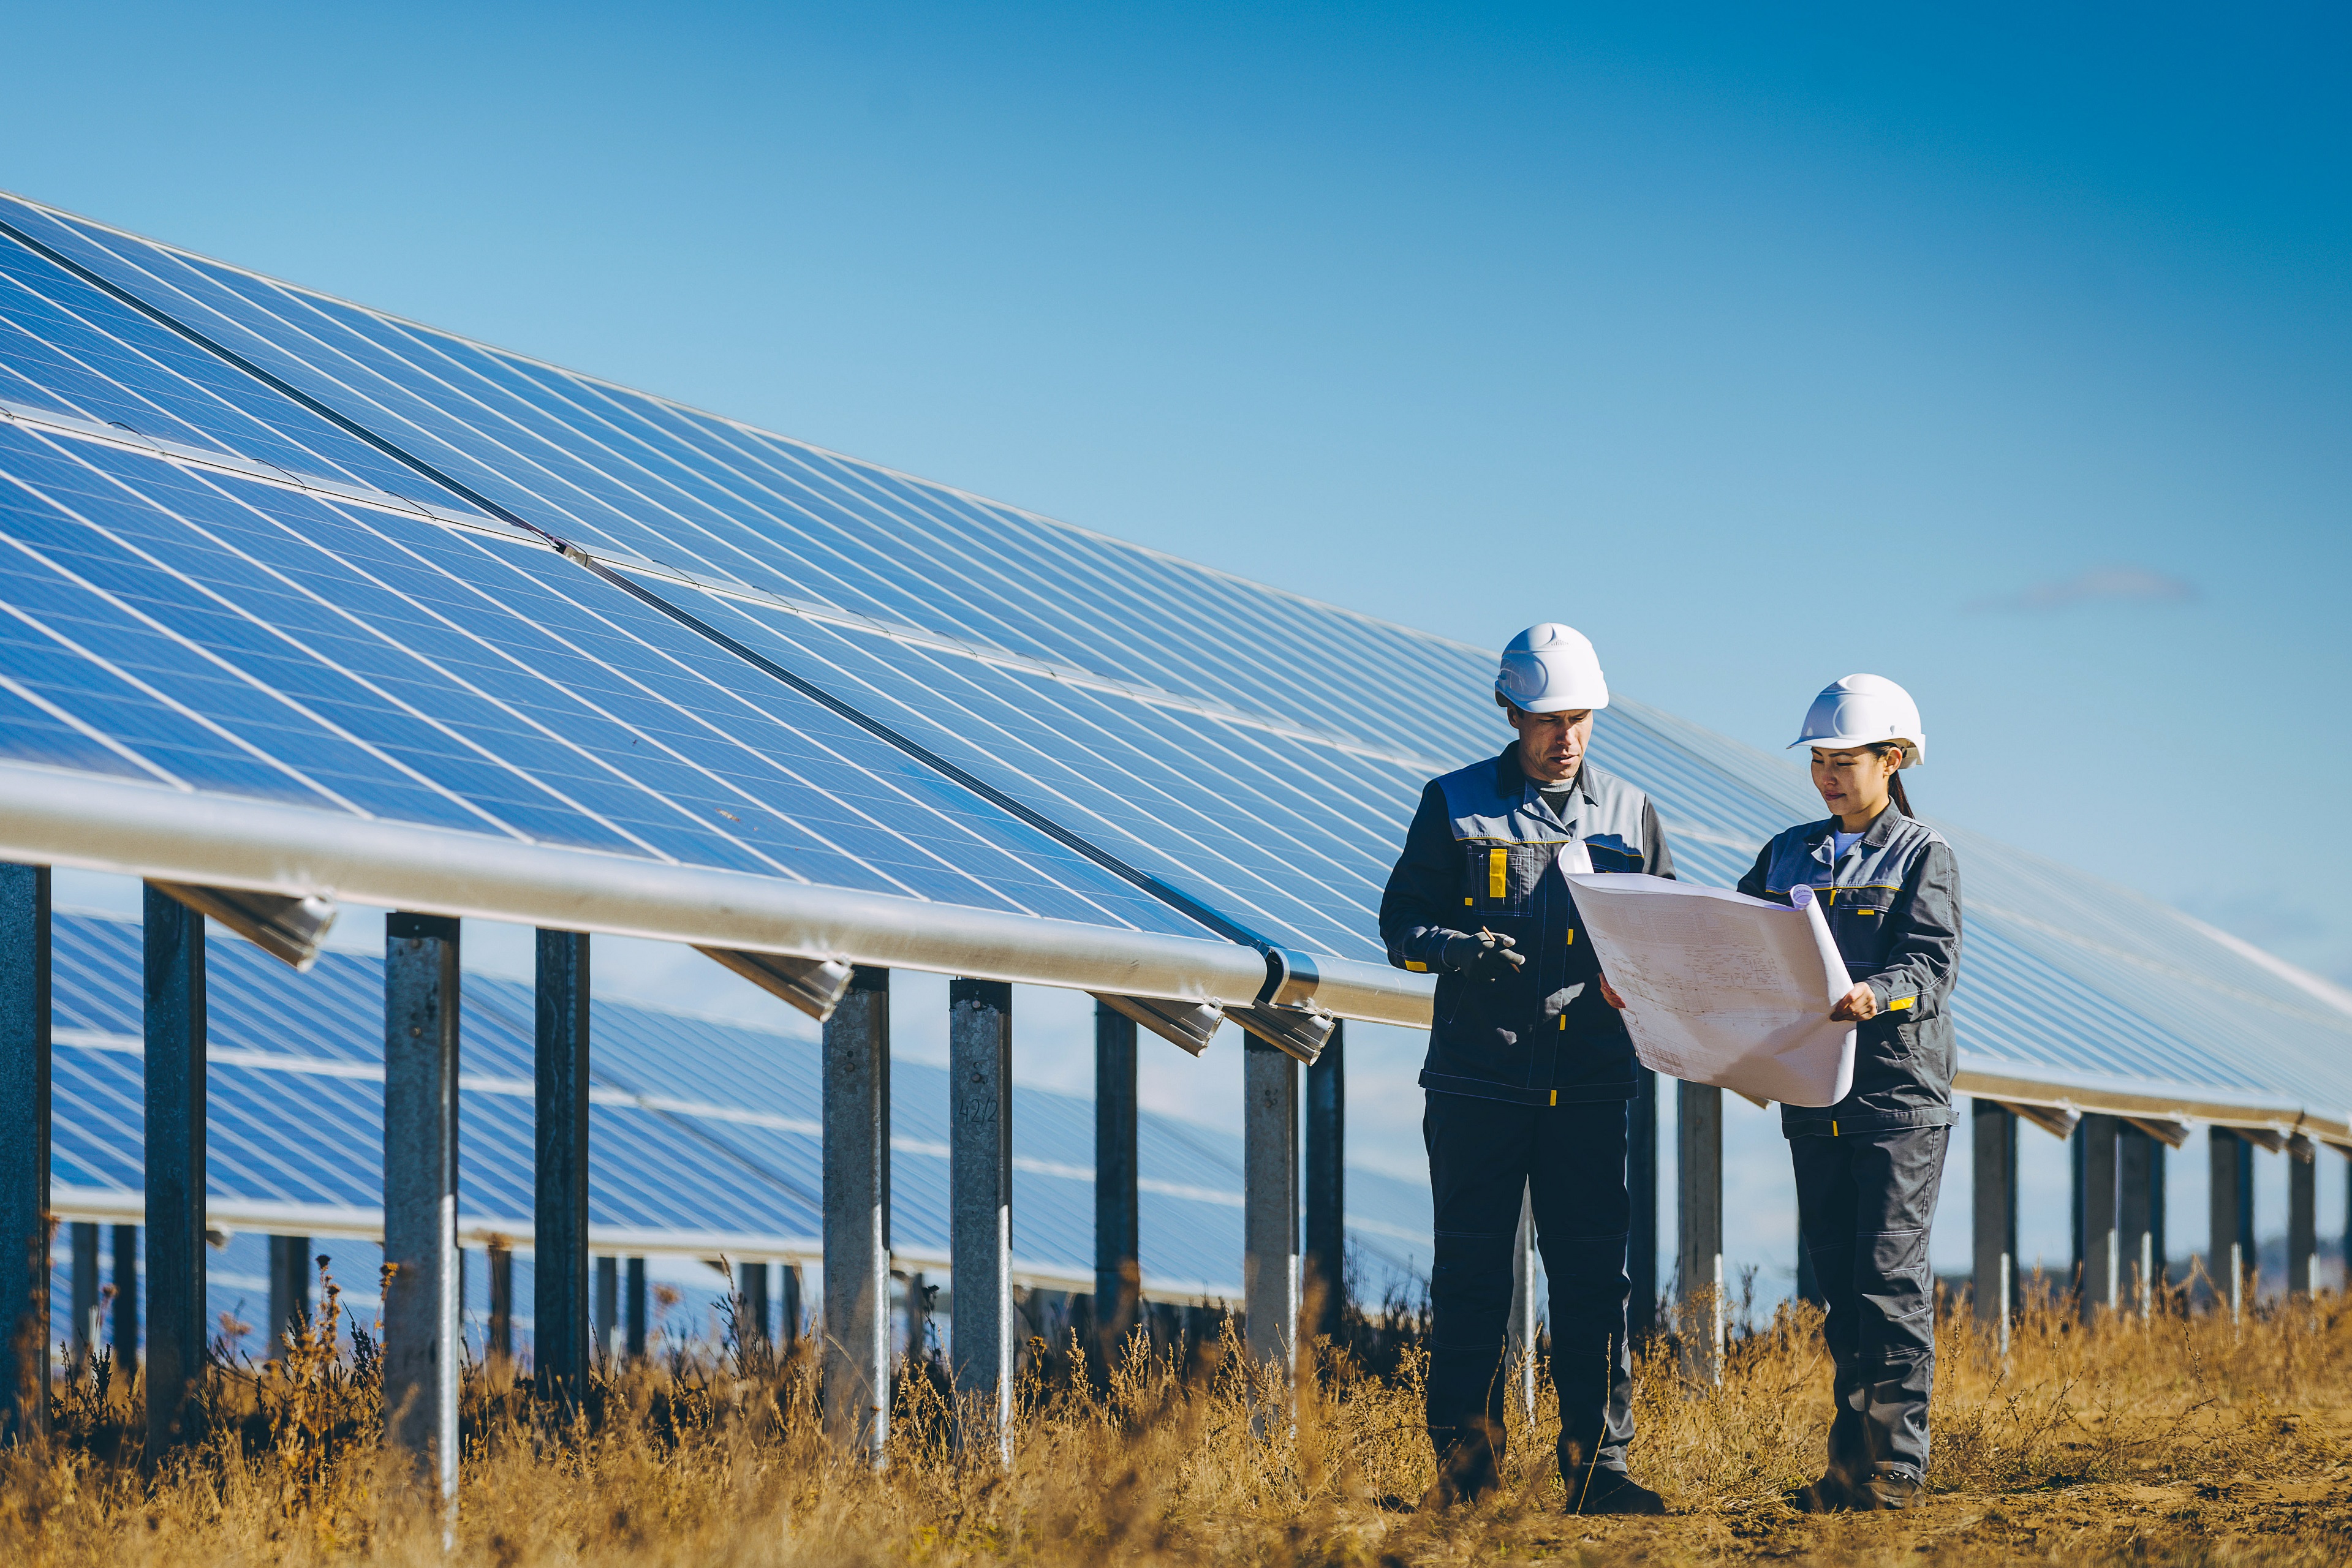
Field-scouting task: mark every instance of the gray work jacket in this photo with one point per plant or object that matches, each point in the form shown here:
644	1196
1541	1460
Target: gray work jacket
1484	850
1894	904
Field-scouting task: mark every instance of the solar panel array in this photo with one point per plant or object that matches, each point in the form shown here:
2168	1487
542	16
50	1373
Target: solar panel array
1140	705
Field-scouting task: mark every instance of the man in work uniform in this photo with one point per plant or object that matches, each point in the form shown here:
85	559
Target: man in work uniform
1529	1070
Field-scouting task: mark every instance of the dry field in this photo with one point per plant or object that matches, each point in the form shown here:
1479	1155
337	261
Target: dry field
2182	1440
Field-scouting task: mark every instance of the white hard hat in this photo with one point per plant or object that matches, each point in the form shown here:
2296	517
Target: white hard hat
1551	668
1864	710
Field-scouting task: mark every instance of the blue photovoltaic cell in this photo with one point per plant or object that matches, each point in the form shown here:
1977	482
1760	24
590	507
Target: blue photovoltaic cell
238	636
733	1147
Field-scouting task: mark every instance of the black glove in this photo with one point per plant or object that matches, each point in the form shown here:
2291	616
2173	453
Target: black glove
1484	955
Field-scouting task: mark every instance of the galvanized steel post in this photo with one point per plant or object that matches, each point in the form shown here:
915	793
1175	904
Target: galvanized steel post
980	1203
420	1346
2096	1260
1325	1268
1641	1190
1270	1202
636	1309
1119	1267
24	1153
175	1027
2230	1196
751	1304
857	1215
2139	1219
2301	1217
86	1326
608	1310
290	1289
124	1329
1994	1214
559	1263
1519	1334
1698	1205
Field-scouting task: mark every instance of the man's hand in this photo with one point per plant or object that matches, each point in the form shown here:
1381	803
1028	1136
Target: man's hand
1609	993
1484	955
1857	1006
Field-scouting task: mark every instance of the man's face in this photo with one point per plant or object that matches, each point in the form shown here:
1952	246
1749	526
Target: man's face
1551	744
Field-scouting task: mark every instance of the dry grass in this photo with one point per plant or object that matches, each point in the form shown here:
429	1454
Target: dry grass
2183	1440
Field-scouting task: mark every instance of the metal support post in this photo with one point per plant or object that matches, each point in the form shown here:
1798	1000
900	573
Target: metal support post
1520	1333
1325	1283
501	1260
559	1262
2097	1260
980	1213
1642	1190
857	1215
2302	1216
1699	1117
1119	1229
86	1328
1994	1128
175	941
919	1293
124	1330
289	1287
636	1309
422	1350
789	1333
2139	1225
25	1152
2230	1250
608	1310
751	1304
1270	1203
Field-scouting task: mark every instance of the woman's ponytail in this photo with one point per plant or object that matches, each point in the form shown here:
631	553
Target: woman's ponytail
1894	788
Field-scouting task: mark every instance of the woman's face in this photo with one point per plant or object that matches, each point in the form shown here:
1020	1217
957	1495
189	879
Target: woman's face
1853	784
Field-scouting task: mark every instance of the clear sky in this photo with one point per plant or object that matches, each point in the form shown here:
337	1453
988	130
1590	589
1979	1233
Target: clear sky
2000	350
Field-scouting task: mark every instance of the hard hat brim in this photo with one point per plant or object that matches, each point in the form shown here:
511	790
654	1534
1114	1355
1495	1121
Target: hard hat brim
1569	706
1914	752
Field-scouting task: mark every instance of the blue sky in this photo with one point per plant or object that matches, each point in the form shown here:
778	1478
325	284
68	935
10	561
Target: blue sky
1999	349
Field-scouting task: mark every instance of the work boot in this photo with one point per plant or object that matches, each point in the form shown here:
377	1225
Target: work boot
1897	1491
1597	1489
1466	1468
1830	1494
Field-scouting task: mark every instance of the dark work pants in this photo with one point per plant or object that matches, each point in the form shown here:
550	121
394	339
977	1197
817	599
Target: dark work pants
1864	1202
1571	1159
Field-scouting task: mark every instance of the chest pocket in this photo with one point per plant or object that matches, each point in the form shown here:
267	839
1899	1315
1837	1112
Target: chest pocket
1501	878
1858	920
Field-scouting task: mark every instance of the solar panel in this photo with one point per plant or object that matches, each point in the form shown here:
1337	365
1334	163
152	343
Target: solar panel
214	633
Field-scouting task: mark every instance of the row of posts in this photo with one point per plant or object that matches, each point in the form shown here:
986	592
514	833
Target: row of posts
2119	1201
422	1277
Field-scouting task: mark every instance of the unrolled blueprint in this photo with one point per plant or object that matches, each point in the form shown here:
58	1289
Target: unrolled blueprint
1723	988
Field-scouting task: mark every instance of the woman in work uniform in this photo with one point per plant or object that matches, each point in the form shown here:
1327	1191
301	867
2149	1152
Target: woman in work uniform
1867	1168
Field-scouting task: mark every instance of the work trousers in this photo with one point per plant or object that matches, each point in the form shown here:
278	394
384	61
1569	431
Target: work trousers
1864	1202
1570	1160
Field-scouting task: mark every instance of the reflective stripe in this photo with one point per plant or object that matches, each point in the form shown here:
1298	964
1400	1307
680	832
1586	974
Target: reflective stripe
1899	1003
1571	935
1832	1129
1498	873
1555	1096
1416	965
